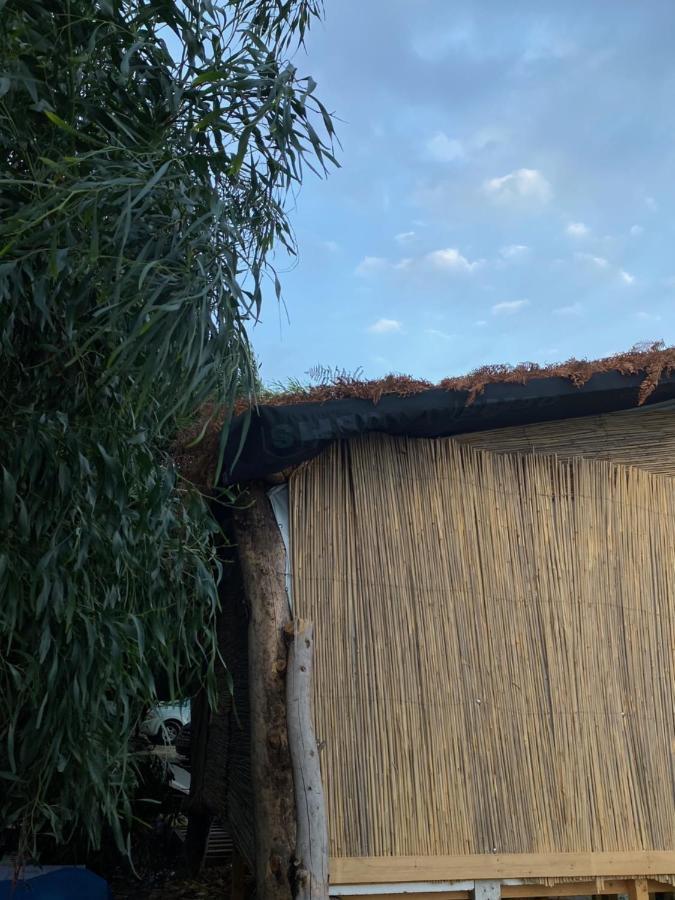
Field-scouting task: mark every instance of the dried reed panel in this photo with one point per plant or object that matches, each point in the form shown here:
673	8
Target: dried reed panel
495	636
635	438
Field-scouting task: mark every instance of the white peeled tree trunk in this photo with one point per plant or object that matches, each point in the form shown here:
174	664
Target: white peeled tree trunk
311	845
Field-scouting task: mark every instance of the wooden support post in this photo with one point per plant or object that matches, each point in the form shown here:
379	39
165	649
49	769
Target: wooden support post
262	560
311	849
486	890
638	889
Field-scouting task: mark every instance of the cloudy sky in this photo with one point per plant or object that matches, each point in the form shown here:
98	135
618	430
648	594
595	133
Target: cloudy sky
507	188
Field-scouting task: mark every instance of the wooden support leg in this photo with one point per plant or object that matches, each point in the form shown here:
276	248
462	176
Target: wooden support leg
311	847
491	890
638	889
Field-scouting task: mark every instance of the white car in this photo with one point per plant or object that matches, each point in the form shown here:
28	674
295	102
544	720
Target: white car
164	721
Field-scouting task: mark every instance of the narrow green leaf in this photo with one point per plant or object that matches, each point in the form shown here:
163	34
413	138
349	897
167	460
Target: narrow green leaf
8	494
58	121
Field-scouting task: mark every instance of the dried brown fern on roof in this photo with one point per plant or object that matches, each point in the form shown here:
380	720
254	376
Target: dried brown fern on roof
653	360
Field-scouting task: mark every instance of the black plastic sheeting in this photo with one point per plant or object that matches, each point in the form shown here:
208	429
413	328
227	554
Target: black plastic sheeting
273	438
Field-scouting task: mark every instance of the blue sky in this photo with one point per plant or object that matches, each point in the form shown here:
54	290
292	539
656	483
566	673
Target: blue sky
506	193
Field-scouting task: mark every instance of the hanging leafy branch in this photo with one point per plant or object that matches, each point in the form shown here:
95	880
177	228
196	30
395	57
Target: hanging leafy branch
146	150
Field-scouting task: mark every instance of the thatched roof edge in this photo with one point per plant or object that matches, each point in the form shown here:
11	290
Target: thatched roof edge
196	448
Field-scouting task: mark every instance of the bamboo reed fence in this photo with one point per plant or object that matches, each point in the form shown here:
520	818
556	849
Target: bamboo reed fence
638	437
494	656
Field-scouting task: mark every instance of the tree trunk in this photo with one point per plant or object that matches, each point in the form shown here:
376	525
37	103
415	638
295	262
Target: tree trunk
262	557
311	849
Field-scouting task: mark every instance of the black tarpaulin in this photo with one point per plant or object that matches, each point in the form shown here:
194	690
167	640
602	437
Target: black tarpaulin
273	438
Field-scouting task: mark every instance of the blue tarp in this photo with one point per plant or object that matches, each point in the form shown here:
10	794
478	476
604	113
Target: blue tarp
67	883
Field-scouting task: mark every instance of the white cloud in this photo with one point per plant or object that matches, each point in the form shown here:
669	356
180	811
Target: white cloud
651	203
375	265
385	326
480	323
331	246
450	259
647	316
637	230
444	149
578	229
523	185
514	251
434	332
404	237
598	261
487	138
509	307
370	265
574	309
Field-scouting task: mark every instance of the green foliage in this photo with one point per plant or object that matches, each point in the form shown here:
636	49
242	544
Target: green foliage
146	149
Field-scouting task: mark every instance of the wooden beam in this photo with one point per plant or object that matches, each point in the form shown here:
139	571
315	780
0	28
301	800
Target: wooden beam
394	869
510	891
605	886
334	892
659	887
638	889
601	886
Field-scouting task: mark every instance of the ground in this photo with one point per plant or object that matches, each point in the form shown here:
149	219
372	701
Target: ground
168	884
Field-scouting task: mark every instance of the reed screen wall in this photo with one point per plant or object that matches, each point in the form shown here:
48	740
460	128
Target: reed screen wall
495	638
639	437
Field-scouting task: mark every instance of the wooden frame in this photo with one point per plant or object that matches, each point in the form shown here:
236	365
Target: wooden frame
393	869
638	889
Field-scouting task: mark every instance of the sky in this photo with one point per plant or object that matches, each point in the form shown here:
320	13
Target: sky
506	190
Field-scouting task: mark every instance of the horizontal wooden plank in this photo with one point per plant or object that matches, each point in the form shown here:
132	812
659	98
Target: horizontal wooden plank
436	895
565	889
394	869
604	887
574	888
511	891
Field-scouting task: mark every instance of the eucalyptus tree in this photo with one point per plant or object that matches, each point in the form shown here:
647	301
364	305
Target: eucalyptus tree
146	151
